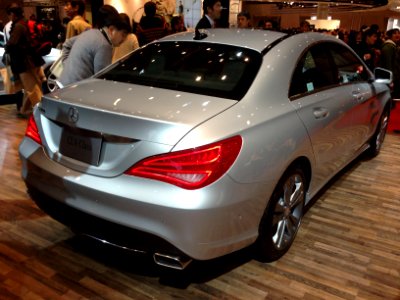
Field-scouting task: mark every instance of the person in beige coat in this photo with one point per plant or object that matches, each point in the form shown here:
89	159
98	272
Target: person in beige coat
75	10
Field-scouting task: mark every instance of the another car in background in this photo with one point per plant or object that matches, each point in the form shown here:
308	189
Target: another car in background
199	145
49	60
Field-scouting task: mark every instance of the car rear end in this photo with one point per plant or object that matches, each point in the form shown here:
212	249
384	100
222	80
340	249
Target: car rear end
100	156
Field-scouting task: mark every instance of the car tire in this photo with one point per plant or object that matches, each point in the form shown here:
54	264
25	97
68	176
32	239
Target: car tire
282	218
375	143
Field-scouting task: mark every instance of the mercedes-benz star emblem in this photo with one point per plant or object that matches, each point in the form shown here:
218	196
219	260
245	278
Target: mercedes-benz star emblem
73	115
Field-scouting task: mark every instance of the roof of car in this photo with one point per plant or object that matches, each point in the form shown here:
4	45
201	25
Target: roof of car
256	39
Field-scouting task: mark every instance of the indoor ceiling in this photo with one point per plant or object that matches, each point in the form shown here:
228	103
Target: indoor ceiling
331	6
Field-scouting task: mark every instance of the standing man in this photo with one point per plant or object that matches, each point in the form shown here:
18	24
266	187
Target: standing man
244	20
212	12
75	10
389	49
24	63
151	26
389	59
366	49
7	27
180	8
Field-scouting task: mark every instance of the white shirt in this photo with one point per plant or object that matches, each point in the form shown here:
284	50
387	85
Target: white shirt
211	21
6	31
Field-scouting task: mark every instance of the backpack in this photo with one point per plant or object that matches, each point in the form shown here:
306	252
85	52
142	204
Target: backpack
42	48
39	46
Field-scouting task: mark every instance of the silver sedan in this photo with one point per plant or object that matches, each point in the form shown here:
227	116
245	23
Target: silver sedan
198	145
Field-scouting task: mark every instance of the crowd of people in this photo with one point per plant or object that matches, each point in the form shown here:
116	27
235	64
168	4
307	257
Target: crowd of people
376	47
88	48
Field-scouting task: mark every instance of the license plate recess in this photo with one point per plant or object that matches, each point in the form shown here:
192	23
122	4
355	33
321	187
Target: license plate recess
82	145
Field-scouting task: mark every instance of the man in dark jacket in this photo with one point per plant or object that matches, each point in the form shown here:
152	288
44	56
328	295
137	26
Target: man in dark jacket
151	26
24	61
212	12
389	58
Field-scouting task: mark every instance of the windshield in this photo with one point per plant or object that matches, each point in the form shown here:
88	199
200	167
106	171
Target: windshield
203	68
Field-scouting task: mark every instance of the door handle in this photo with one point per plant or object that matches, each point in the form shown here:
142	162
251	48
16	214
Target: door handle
320	112
358	96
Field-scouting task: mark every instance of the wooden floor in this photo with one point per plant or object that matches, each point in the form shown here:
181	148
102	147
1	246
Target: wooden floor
347	248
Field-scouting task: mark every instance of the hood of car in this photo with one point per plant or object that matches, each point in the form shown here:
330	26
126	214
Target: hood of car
135	111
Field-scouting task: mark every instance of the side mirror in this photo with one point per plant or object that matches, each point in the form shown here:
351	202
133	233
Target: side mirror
383	76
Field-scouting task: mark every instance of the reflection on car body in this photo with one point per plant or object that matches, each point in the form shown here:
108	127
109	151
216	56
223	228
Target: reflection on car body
193	149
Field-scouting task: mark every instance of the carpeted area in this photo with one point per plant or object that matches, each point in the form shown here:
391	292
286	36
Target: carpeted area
394	121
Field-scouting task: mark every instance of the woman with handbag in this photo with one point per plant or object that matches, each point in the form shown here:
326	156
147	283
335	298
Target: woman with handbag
25	62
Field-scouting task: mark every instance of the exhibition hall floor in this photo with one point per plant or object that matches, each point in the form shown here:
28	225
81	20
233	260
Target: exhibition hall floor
348	246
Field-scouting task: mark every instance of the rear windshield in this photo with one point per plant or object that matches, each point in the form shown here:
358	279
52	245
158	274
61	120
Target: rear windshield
201	68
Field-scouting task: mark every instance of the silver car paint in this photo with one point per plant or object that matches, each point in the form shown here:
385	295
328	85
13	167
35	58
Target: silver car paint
152	105
199	222
224	216
152	127
249	38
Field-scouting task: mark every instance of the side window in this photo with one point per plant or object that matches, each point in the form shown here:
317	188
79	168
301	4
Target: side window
315	70
349	66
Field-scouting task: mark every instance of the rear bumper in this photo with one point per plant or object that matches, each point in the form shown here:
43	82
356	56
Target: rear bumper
100	229
143	214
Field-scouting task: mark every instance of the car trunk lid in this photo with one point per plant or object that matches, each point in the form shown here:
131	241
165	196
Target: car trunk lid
110	126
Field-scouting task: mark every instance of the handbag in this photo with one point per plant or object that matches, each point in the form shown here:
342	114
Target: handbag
57	67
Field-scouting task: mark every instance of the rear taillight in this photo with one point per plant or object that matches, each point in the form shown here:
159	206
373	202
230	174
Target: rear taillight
32	130
192	168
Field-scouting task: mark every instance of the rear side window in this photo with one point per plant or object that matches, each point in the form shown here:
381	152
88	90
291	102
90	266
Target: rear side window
325	65
315	70
202	68
350	68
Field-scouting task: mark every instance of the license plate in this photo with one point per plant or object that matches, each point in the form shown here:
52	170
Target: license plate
81	145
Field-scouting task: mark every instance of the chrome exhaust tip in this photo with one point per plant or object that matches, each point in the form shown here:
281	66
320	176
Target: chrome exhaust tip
172	261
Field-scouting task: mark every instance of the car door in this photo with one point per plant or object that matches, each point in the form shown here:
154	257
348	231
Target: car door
325	107
354	75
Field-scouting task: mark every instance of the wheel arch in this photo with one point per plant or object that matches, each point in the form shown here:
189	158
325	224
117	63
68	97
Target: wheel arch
301	162
304	163
264	249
